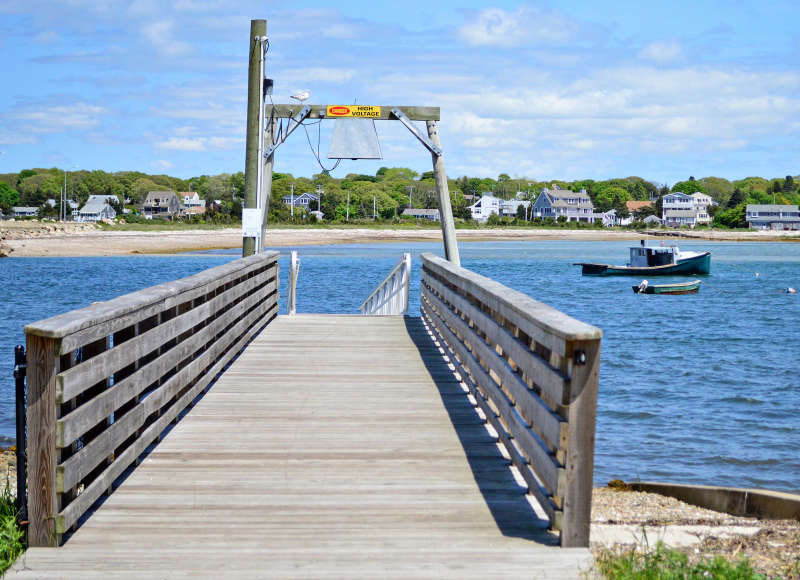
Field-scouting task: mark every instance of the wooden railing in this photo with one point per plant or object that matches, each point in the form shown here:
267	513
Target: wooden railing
106	381
534	373
391	295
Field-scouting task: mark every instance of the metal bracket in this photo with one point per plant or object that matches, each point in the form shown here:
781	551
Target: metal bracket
304	112
401	116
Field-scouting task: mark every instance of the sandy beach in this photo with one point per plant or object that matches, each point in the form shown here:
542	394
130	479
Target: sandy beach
39	239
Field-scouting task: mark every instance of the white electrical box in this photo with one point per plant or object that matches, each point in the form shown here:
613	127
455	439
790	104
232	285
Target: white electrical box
251	223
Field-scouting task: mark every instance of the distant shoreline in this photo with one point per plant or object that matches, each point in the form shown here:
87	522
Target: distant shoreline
42	239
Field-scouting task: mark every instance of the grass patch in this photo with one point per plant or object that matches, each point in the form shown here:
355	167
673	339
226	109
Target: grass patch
663	563
11	535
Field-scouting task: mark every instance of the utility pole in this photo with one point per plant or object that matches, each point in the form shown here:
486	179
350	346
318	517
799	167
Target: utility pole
374	209
292	198
255	113
347	219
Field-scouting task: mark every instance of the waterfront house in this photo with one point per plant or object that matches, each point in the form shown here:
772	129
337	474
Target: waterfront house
510	207
425	214
192	204
556	202
772	217
653	221
24	211
701	203
485	207
681	210
305	201
98	207
161	204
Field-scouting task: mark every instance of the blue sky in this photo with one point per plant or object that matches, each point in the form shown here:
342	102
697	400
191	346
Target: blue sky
551	90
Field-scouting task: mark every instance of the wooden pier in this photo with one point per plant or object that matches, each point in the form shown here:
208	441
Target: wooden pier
332	446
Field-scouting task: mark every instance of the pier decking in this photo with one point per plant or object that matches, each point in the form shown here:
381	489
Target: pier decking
333	446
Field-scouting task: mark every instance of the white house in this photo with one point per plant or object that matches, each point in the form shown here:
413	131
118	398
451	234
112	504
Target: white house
773	217
679	209
97	208
23	211
701	203
485	206
192	204
556	202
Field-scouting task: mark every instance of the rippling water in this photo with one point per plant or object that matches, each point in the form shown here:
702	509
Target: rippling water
699	388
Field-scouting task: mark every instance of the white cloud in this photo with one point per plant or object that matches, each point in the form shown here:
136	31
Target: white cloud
55	118
159	35
200	143
162	164
664	52
182	144
525	25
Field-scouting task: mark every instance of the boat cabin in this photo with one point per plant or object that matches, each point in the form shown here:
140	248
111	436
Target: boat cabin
643	256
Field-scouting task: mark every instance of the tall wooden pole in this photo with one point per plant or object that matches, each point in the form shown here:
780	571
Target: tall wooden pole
445	208
258	28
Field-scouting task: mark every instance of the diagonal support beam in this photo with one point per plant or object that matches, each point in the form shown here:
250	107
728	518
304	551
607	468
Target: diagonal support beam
410	126
304	112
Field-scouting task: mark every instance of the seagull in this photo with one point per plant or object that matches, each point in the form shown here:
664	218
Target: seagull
301	95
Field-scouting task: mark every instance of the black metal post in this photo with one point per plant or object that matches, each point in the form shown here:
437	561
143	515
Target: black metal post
20	369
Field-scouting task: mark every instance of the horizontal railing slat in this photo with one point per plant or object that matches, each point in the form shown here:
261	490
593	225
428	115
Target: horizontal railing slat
105	318
546	325
72	382
550	380
521	463
75	468
534	409
77	422
534	372
70	515
543	463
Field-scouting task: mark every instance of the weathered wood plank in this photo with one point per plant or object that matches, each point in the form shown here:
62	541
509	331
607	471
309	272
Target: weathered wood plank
286	111
580	446
245	329
535	411
72	382
543	323
522	464
543	375
536	450
43	365
75	423
115	312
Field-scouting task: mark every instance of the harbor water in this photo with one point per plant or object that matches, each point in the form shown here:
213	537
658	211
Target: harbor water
700	388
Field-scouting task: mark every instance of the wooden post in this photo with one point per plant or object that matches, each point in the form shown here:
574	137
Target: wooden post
43	366
258	28
583	362
445	208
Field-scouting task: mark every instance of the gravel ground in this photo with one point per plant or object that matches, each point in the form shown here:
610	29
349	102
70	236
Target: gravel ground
773	546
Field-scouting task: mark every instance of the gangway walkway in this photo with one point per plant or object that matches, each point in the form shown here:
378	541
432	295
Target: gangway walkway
332	447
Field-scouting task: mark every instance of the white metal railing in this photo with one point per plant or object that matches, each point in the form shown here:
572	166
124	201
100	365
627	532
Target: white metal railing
294	270
391	295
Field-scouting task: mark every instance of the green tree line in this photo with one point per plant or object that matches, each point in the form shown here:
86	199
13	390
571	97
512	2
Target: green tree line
383	195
